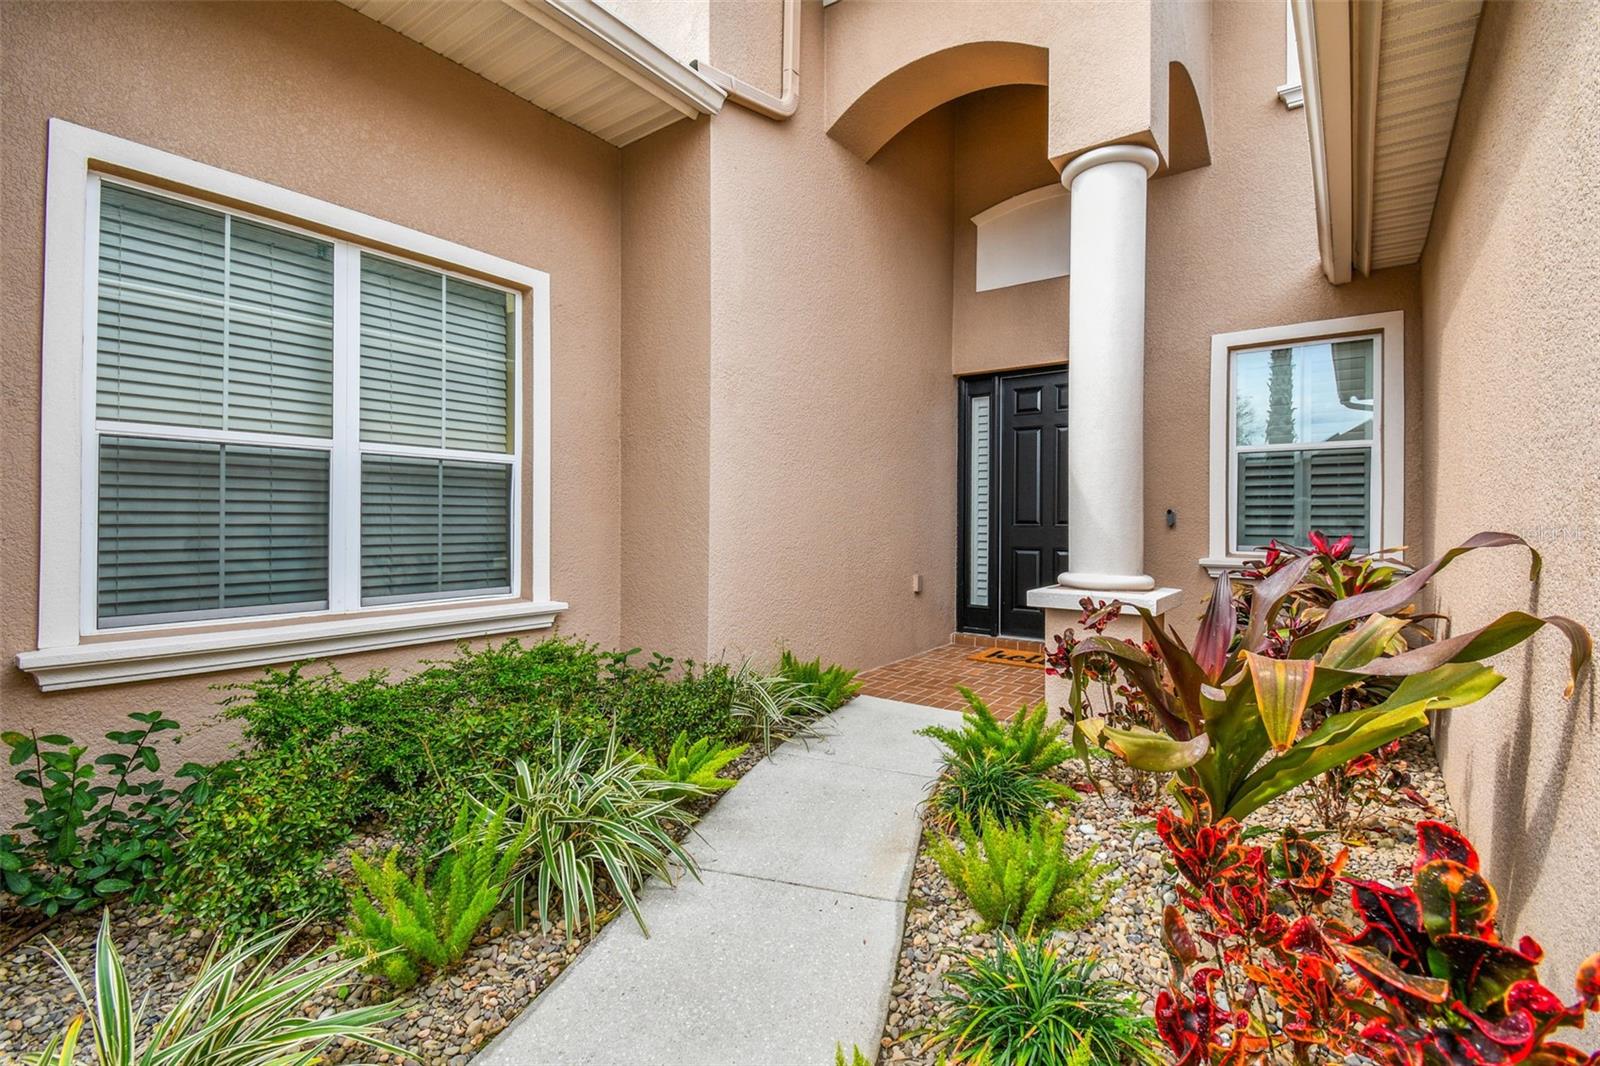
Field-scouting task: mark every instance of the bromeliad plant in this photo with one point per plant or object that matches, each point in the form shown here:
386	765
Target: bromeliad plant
589	815
246	1007
1230	710
1425	981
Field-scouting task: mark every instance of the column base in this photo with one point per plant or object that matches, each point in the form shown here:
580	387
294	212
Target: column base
1063	606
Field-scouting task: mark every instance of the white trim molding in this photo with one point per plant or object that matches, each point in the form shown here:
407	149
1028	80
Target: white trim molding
1025	238
1290	93
1157	601
117	661
1388	517
64	659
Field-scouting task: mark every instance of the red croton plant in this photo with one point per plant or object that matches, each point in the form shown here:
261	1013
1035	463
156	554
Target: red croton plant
1269	966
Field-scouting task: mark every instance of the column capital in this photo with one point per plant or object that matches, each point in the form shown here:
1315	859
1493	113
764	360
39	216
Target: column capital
1111	153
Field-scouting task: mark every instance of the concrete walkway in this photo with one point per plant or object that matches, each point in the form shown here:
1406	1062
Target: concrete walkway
789	943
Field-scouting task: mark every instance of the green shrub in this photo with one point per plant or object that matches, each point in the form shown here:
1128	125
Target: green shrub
1028	740
1024	1004
832	687
428	921
590	814
257	848
770	707
1022	879
691	767
856	1057
243	1008
986	785
652	711
92	829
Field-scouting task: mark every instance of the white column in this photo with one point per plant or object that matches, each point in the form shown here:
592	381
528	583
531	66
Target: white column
1105	369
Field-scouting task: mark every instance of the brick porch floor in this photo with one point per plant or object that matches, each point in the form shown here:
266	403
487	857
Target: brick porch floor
931	679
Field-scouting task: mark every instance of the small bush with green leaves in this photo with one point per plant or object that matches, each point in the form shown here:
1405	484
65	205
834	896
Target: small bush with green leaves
1024	1004
986	785
402	925
832	686
590	813
93	829
257	848
692	768
1022	878
246	1007
772	708
1028	740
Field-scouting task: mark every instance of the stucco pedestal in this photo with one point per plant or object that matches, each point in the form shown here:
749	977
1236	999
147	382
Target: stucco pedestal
1063	606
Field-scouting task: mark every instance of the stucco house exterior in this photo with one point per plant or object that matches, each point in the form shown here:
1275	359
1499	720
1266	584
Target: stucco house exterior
351	330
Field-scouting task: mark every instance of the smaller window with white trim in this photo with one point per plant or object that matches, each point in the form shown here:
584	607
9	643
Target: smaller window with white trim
1303	442
286	422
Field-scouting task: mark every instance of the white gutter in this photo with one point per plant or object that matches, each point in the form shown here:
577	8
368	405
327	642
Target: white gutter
598	33
759	100
1322	29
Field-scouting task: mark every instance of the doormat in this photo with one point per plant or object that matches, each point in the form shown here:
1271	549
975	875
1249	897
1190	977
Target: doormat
1010	657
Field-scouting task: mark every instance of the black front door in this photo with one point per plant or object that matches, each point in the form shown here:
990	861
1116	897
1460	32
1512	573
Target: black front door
1013	498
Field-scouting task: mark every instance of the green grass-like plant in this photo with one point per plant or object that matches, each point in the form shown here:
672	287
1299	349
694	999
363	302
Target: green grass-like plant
246	1007
1025	1005
412	923
772	708
833	686
1029	740
856	1057
591	814
691	768
985	785
1022	878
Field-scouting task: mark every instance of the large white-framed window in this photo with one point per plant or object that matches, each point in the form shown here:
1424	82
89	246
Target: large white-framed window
273	427
1307	433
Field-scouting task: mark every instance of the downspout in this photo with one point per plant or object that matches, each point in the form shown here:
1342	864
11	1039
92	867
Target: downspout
759	100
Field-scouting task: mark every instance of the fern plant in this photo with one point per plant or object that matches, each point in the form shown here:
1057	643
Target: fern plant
1022	878
691	768
856	1057
832	686
414	922
1028	740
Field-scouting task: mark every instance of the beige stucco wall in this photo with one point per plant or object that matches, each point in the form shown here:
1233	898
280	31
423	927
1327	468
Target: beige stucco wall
832	403
1511	310
999	152
324	101
666	407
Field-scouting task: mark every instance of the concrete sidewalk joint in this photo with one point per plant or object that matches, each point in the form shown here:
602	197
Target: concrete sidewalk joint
787	944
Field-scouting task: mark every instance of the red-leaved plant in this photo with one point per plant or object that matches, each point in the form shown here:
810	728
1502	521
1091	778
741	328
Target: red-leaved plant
1263	972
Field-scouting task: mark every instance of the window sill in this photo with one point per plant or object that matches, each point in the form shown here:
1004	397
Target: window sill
121	661
1216	565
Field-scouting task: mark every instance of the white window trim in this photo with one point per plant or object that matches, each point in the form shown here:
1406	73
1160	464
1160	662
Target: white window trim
1388	425
64	659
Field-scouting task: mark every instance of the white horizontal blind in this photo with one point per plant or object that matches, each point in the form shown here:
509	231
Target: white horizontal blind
193	528
1304	437
978	519
216	342
436	372
208	321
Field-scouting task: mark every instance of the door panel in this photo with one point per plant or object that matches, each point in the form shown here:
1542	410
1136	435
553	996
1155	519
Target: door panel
1013	522
1033	526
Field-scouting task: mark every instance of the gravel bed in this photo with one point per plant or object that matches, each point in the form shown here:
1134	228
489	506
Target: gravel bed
448	1018
940	934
